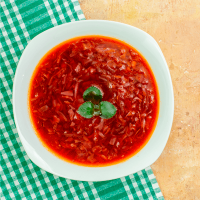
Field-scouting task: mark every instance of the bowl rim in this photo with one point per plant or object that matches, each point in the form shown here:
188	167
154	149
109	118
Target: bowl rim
87	177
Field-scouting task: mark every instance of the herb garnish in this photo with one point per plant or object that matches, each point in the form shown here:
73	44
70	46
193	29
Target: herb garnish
94	106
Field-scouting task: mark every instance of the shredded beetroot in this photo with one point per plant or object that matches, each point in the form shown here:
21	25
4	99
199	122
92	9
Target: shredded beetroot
125	80
43	108
113	140
71	114
68	93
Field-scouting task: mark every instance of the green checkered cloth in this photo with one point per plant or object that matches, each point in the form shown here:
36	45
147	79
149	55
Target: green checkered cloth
21	20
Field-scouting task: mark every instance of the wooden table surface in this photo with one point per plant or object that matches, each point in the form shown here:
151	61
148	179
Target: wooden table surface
175	25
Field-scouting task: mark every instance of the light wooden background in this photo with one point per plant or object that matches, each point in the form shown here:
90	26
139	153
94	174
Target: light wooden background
175	25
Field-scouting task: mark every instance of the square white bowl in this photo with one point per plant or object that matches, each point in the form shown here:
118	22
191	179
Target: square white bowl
45	41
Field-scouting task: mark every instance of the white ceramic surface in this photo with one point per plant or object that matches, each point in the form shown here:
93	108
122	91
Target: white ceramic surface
35	50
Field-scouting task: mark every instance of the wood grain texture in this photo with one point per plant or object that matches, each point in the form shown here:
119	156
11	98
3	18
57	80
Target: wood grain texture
175	25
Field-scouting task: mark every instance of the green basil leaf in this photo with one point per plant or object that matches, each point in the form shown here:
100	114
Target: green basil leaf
92	94
86	109
107	109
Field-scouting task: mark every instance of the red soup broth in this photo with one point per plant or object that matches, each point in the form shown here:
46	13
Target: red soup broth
56	92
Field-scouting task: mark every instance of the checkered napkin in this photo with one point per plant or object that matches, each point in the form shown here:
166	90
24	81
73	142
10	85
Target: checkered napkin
22	20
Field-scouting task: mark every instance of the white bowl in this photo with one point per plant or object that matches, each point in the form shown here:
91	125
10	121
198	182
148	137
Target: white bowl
42	43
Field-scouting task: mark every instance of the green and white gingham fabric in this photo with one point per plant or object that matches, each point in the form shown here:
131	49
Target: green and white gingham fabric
21	20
